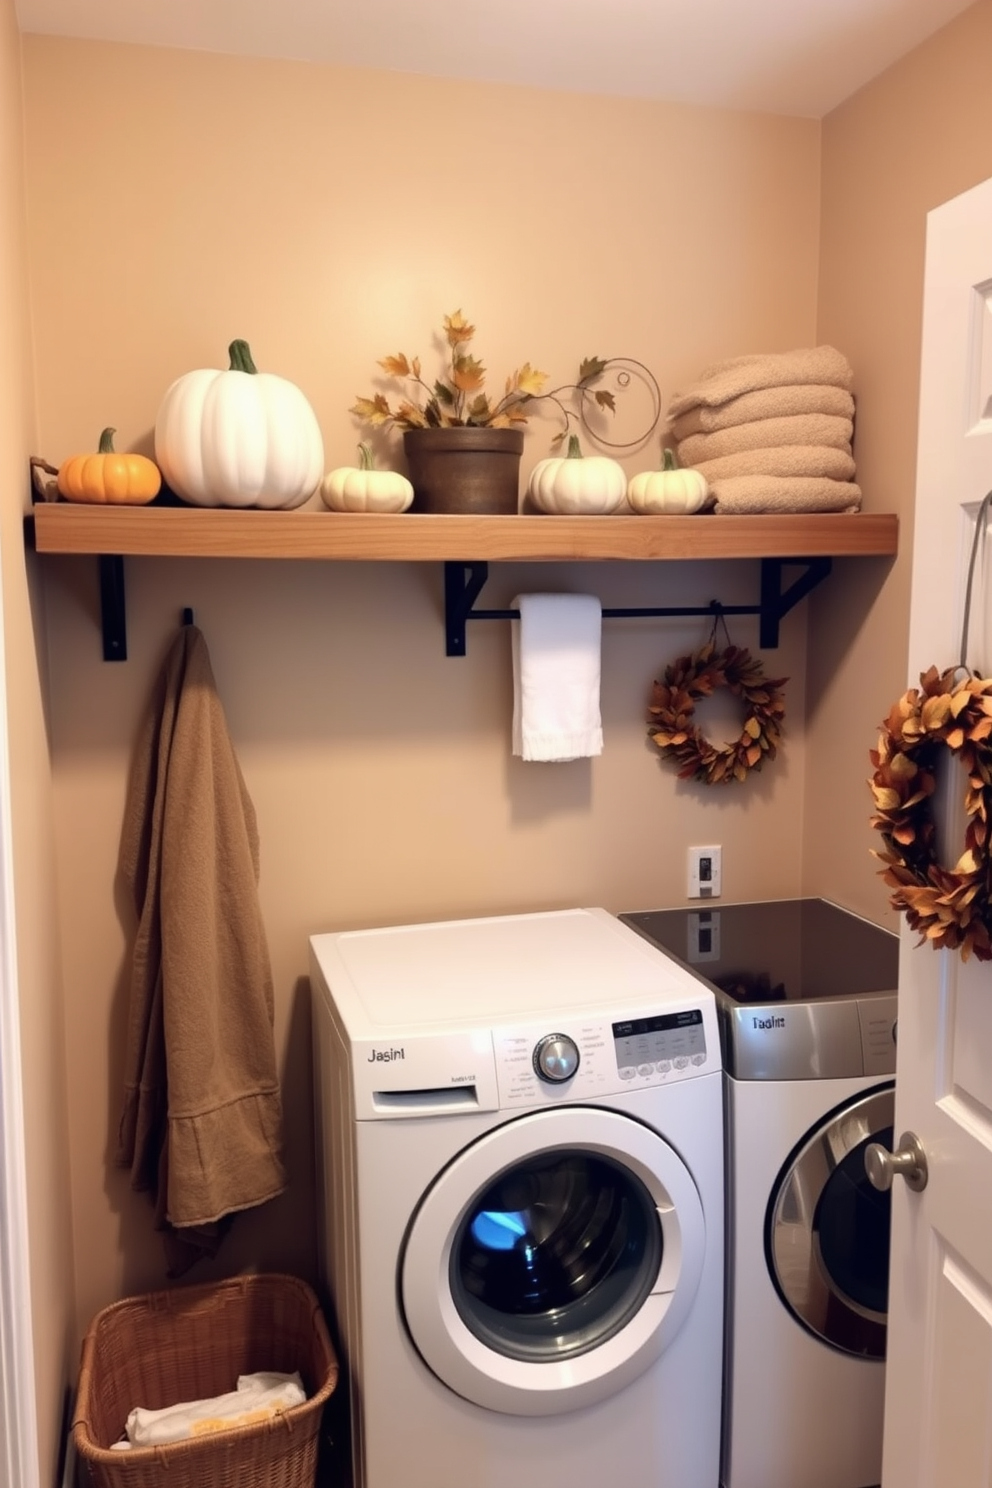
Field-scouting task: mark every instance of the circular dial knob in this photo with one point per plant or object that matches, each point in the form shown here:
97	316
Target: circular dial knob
556	1058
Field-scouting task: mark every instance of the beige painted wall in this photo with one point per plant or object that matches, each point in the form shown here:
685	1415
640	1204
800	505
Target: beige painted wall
178	200
915	137
43	1068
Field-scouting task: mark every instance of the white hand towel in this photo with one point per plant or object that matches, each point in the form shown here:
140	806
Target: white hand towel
556	666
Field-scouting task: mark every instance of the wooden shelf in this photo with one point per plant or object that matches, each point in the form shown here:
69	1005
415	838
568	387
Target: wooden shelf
465	545
181	532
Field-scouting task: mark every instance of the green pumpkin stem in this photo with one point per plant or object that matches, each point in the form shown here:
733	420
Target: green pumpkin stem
106	446
240	357
671	460
574	448
364	457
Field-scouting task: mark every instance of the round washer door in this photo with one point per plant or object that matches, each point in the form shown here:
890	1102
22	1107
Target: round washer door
827	1231
553	1261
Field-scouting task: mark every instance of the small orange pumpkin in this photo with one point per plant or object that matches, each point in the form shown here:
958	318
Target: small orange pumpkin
109	478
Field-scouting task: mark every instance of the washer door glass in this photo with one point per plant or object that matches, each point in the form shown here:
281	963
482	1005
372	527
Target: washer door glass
556	1255
827	1231
553	1260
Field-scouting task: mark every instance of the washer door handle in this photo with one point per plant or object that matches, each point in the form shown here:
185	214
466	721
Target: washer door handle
909	1160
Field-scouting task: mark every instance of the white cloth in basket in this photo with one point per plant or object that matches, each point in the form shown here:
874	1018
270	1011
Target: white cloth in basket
257	1397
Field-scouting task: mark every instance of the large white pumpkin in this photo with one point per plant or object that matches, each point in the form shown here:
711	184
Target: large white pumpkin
238	438
576	485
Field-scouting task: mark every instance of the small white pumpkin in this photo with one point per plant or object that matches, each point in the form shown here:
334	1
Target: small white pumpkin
576	485
361	488
669	491
238	438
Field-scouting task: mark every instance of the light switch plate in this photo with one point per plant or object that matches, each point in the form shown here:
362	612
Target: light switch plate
704	873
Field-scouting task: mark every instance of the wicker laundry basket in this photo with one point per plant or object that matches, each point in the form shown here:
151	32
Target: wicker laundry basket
191	1343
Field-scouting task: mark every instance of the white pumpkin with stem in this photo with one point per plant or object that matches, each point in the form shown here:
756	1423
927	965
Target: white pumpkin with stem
239	437
670	491
362	488
577	485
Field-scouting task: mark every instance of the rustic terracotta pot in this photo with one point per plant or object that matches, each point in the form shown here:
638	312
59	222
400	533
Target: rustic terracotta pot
465	470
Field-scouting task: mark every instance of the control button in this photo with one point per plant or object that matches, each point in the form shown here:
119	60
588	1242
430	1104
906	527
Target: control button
664	1065
626	1073
681	1062
699	1058
556	1058
644	1069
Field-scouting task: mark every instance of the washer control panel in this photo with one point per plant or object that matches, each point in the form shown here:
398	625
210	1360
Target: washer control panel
586	1060
662	1042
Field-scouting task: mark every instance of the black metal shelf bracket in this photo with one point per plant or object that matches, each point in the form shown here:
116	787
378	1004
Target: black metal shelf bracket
113	614
776	602
464	582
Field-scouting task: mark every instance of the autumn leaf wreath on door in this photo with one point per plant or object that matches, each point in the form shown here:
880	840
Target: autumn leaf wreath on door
671	716
949	713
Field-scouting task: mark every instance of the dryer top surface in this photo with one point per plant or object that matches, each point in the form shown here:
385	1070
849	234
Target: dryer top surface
481	972
806	990
781	950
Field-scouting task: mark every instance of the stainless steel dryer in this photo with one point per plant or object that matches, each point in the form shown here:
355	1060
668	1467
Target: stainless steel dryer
806	996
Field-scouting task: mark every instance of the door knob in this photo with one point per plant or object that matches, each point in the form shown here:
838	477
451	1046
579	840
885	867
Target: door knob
909	1159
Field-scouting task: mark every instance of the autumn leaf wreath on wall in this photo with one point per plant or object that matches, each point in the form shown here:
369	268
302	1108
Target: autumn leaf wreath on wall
690	678
949	713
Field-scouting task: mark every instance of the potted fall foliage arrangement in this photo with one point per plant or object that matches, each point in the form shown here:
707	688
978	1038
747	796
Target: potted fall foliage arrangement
462	445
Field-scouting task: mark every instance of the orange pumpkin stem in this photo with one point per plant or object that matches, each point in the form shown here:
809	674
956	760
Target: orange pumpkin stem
106	445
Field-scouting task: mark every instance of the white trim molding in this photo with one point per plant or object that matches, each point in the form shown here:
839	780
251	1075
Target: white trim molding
19	1464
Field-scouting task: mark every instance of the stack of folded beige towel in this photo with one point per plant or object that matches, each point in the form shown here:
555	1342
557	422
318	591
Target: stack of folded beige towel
772	433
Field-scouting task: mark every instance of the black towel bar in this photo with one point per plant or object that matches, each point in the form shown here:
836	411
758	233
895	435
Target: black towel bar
463	583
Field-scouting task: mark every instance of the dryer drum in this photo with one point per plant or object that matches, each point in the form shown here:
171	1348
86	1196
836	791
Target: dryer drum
827	1229
555	1256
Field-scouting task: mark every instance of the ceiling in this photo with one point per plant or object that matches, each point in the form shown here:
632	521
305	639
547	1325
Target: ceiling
799	57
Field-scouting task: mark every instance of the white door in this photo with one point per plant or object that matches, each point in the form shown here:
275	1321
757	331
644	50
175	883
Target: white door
938	1413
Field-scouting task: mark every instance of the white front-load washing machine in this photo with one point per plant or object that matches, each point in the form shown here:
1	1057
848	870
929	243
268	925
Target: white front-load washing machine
520	1149
806	995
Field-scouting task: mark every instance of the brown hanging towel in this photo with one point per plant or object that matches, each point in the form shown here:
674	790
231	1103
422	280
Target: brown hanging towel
201	1124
